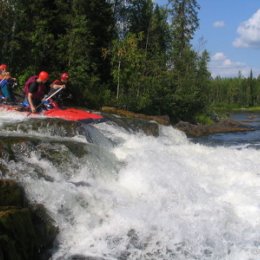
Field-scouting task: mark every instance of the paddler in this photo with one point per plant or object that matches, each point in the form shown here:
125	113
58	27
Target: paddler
36	87
7	84
64	94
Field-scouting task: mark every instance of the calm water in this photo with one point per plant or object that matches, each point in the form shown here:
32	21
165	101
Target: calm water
250	139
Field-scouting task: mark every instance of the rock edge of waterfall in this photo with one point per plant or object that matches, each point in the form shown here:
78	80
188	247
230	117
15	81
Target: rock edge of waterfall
26	230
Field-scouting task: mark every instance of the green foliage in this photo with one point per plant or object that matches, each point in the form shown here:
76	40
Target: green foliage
234	92
203	119
131	54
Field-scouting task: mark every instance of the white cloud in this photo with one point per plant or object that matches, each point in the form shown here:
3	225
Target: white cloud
249	32
219	24
221	65
218	56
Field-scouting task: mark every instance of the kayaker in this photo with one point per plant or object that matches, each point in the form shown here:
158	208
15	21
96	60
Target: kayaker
64	94
3	68
36	87
7	84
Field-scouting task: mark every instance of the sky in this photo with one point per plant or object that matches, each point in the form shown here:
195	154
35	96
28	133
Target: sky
230	30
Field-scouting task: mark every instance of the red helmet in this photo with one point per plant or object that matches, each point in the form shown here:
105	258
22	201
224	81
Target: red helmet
3	67
43	76
64	76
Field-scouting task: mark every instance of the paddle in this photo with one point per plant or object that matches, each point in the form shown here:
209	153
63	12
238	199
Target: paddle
45	99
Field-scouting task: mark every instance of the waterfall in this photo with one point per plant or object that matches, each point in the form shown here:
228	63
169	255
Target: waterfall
120	194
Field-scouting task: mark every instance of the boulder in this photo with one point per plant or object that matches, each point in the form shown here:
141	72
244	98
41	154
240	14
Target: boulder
136	125
223	126
11	194
163	120
26	231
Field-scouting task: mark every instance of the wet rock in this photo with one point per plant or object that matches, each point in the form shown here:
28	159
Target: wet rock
16	225
81	184
44	226
26	231
11	194
136	125
3	169
163	120
51	126
16	147
223	126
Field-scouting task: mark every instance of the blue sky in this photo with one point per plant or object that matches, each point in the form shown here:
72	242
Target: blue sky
231	31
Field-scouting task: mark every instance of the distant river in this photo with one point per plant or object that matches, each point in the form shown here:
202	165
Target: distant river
250	139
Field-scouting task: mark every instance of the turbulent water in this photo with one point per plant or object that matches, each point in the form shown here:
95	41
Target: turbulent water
119	194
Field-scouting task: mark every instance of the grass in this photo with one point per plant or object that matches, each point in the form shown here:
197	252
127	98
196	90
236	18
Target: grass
247	109
228	108
203	119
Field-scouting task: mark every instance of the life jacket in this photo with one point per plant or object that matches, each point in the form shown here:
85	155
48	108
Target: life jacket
28	83
6	87
39	94
57	82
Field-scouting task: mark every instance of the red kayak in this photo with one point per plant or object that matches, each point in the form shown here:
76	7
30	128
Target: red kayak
73	114
69	114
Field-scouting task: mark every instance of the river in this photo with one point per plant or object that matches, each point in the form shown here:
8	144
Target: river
117	194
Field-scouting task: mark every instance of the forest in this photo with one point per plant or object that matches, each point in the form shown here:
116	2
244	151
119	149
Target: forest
131	54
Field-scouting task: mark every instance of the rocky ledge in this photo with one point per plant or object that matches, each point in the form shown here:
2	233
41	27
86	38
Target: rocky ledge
149	124
26	231
163	120
224	126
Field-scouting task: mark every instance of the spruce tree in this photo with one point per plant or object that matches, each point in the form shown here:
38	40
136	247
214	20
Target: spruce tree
184	60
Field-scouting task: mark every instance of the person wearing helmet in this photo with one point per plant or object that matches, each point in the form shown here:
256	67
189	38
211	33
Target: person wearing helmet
62	82
7	84
3	69
36	88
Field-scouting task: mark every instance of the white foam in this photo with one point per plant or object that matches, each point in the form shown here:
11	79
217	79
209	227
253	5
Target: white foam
161	198
11	116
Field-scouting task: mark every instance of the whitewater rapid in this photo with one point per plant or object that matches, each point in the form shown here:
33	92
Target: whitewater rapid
142	197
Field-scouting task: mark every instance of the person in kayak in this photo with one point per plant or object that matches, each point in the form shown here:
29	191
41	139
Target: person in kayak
3	68
7	85
36	87
64	94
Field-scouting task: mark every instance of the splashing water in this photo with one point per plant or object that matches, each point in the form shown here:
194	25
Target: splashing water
150	198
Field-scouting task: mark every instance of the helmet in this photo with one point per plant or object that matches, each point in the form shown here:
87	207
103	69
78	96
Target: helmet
43	76
3	67
64	76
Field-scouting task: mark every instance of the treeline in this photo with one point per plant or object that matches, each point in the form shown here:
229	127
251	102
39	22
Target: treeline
239	91
130	54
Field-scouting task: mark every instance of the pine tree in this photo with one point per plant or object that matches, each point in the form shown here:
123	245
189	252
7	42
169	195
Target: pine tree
78	51
184	60
185	22
140	14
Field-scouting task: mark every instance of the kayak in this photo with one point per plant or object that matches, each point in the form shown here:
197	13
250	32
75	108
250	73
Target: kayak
73	114
69	114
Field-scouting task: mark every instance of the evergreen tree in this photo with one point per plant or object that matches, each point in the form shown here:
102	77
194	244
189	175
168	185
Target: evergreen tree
140	14
78	52
185	22
92	31
159	38
184	60
252	89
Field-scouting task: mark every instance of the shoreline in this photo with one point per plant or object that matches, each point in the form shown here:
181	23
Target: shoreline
190	129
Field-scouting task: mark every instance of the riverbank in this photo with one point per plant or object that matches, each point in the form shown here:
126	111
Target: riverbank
190	129
234	109
223	126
